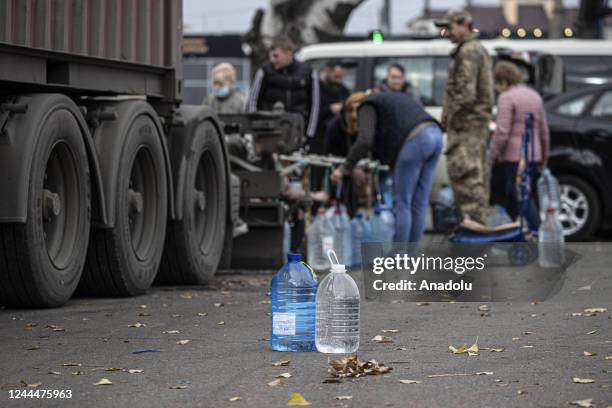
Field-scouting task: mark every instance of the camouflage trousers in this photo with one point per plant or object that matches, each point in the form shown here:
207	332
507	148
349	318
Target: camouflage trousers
469	171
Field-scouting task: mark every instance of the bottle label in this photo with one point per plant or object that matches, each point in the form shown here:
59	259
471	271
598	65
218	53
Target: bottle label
327	243
283	324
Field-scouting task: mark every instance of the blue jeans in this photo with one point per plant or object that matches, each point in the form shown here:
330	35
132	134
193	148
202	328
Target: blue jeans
412	178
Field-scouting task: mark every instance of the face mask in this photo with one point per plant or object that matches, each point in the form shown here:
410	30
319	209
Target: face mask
221	93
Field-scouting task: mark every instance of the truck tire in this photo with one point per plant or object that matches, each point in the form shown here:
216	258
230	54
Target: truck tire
42	260
123	260
194	244
580	212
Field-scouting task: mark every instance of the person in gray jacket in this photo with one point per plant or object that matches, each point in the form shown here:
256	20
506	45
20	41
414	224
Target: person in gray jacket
225	98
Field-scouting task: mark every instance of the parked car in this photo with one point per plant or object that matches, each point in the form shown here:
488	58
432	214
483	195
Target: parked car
581	157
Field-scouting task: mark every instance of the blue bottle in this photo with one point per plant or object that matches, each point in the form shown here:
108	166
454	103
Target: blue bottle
293	293
381	225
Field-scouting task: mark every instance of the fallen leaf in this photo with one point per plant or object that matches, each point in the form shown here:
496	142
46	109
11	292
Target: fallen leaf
33	385
576	314
134	371
471	354
484	373
608	357
521	392
30	325
390	331
104	381
401	348
472	350
496	350
527	346
144	314
410	381
171	332
143	306
276	382
178	387
579	380
458	350
77	373
55	327
344	397
516	338
182	342
221	323
285	375
54	373
484	308
535	302
585	403
382	339
592	332
281	363
423	304
71	364
596	310
137	325
187	296
218	305
588	354
354	367
296	399
202	314
33	348
527	333
234	399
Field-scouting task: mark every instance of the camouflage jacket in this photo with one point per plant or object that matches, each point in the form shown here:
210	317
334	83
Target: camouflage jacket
469	99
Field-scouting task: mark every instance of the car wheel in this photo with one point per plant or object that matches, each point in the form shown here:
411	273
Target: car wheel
580	211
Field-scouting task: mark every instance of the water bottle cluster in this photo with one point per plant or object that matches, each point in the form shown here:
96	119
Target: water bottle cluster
306	316
333	229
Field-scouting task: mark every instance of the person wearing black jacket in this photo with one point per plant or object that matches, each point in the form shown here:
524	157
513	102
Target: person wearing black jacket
332	96
290	82
398	132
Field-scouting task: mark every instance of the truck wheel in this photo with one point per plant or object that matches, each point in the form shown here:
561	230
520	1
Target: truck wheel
194	244
580	211
123	260
42	260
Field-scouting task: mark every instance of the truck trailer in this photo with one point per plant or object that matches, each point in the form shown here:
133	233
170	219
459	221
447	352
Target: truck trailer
107	181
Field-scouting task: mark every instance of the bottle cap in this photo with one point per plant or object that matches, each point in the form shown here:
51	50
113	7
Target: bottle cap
550	210
338	268
294	257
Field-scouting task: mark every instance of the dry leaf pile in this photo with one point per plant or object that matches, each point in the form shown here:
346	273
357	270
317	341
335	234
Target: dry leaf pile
354	367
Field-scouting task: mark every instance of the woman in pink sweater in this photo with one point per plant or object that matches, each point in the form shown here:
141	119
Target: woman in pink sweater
514	100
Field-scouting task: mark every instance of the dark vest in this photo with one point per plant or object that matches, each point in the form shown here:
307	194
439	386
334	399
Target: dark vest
291	86
396	115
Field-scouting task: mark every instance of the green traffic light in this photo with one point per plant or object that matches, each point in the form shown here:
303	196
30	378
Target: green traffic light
377	37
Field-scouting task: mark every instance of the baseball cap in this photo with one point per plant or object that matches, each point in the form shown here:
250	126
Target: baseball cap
454	16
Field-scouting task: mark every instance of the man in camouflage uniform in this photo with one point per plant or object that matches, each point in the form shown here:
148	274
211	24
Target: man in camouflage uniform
465	116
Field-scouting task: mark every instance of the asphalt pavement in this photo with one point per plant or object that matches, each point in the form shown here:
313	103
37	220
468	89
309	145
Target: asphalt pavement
209	347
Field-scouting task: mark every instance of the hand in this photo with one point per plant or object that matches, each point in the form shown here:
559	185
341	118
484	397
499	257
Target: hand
336	176
335	107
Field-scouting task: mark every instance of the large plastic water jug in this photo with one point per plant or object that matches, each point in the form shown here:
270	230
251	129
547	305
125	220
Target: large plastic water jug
293	307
